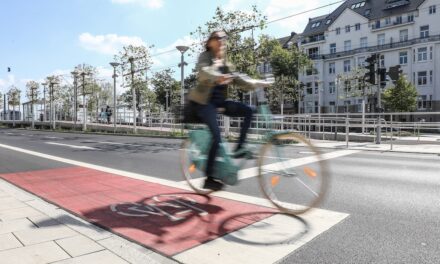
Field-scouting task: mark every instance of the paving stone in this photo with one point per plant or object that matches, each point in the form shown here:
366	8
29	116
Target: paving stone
79	245
10	203
8	241
44	221
104	256
18	213
15	225
36	254
38	235
132	252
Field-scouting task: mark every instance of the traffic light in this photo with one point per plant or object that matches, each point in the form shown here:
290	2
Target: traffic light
370	75
394	72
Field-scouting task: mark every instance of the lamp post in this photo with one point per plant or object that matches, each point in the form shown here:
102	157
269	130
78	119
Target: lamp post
44	100
182	64
52	83
133	90
114	65
75	96
33	89
83	75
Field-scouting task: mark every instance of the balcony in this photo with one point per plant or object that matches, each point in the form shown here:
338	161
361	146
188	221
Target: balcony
377	48
395	23
313	39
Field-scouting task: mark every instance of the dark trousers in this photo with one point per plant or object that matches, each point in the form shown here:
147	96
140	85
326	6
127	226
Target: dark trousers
208	115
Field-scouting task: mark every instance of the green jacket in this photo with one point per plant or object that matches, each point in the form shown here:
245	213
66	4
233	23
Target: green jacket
208	74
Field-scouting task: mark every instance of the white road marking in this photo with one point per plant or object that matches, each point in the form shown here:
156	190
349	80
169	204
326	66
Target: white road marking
292	163
70	146
53	137
318	220
113	143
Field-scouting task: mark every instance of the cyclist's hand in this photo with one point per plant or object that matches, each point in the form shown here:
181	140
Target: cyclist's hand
224	79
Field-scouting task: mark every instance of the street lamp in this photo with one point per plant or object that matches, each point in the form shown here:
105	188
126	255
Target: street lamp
114	65
182	64
75	74
44	100
52	83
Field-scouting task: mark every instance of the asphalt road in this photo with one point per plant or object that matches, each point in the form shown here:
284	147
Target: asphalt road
393	199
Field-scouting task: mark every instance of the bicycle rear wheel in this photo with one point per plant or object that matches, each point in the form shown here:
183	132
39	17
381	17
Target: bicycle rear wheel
292	185
192	164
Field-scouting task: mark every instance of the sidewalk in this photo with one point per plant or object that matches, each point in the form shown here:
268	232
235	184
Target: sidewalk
34	231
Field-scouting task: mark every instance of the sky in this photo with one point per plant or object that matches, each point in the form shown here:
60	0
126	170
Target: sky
45	37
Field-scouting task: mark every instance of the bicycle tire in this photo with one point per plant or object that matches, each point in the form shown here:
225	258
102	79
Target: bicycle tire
292	187
194	176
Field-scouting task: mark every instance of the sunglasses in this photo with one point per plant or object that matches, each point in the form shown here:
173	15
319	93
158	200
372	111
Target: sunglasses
220	37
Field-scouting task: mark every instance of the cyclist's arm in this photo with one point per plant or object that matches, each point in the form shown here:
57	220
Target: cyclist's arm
207	73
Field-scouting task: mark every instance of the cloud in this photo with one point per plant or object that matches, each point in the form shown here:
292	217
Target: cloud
108	44
151	4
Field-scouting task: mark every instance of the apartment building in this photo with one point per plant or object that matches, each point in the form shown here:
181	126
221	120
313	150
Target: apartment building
403	32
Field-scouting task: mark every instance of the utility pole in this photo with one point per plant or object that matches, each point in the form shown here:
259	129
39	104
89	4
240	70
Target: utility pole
182	64
83	75
75	97
44	100
114	65
33	88
52	103
133	90
379	105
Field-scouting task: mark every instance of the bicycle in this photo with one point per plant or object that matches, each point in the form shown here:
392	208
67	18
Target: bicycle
275	168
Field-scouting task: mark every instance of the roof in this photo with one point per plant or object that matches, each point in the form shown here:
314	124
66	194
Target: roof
370	9
284	41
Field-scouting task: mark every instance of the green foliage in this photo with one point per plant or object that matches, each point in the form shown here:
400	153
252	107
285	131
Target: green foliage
286	64
32	90
14	96
163	81
402	97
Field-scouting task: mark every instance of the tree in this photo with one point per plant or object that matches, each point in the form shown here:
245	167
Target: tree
240	48
286	65
140	57
402	97
14	100
163	81
32	90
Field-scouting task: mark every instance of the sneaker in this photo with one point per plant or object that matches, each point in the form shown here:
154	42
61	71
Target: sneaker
243	152
212	184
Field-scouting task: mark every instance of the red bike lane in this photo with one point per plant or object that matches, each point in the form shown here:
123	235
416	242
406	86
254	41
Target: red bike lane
166	219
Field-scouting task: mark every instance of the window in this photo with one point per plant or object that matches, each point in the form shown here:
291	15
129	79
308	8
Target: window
382	61
423	102
367	12
357	26
316	87
403	35
381	39
331	87
347	45
331	68
410	17
387	20
403	57
313	52
316	24
422	54
430	53
377	25
432	10
347	28
430	77
361	62
338	31
424	31
421	78
309	88
347	66
328	21
347	85
364	42
332	48
399	20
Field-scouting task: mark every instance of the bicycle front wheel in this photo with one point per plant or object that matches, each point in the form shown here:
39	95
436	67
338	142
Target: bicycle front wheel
192	163
293	185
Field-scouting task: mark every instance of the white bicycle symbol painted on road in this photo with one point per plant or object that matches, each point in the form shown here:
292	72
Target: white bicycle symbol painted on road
174	207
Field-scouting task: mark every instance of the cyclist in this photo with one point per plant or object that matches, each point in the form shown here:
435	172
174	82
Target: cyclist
210	94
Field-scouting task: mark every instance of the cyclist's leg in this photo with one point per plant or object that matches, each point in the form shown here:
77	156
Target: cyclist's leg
237	109
208	114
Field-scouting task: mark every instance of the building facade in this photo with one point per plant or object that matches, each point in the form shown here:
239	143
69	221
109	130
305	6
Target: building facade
402	32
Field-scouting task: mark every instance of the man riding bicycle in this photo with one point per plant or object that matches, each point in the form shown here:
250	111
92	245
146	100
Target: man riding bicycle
210	94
